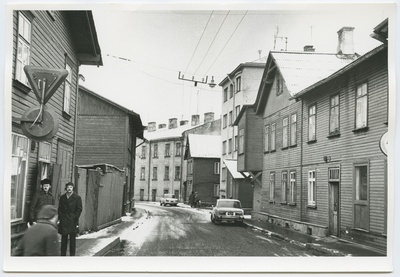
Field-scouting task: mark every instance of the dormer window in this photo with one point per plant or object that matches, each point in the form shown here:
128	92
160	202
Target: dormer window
279	84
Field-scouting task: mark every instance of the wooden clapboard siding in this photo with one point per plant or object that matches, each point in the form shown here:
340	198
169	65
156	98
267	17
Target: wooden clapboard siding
100	140
204	178
350	148
253	141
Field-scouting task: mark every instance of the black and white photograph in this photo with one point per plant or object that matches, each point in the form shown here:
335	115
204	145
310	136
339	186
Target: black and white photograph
161	137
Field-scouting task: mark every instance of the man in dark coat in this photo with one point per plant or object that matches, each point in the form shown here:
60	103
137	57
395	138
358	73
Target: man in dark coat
41	239
191	199
69	210
41	198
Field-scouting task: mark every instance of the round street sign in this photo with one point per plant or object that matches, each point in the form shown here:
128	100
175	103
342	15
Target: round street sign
383	143
43	130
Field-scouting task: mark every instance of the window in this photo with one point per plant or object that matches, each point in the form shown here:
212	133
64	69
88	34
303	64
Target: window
293	129
237	111
178	149
19	171
166	191
224	174
311	123
361	208
225	94
273	134
44	159
285	132
279	84
143	155
292	188
166	172
23	48
216	189
231	89
224	147
284	187
362	106
311	188
190	166
216	167
238	83
67	89
266	138
142	173
236	143
230	146
334	116
177	172
272	186
155	151
225	121
241	141
167	149
230	118
155	173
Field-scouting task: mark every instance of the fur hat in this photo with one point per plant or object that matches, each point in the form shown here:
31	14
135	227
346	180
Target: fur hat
45	181
47	212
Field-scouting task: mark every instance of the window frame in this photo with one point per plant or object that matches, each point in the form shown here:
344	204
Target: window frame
292	187
241	141
155	173
271	186
177	172
314	129
366	97
336	116
237	111
167	150
231	90
293	129
143	154
44	157
312	188
166	172
225	94
224	121
236	143
279	84
224	147
238	83
217	168
284	186
178	150
361	202
155	150
142	173
266	137
67	88
229	146
285	132
23	43
273	136
230	118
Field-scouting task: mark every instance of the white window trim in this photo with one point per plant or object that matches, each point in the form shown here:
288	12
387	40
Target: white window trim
311	188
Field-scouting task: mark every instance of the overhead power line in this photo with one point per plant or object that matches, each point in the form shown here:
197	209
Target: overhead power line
212	42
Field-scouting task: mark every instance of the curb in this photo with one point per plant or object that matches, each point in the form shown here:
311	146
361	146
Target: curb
108	247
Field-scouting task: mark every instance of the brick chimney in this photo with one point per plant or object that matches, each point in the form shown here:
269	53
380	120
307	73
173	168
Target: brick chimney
309	48
195	119
173	123
208	117
161	126
183	122
151	126
345	41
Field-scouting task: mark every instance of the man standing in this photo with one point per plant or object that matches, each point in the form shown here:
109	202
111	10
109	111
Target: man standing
69	210
41	198
42	238
191	199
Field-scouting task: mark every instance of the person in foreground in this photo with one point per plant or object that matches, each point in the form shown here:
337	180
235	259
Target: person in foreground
41	239
69	211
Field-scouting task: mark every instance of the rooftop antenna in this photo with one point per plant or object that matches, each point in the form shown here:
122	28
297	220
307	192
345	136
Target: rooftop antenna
281	38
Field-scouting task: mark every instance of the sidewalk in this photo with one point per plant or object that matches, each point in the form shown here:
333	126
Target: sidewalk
98	243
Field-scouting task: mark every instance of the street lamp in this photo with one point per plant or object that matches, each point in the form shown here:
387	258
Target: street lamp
212	83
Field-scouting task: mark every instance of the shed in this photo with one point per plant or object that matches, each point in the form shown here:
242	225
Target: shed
101	188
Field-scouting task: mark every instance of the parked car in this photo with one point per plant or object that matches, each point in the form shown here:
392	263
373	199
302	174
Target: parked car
229	210
168	199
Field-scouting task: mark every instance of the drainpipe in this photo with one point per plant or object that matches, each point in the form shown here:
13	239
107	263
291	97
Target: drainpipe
75	124
301	162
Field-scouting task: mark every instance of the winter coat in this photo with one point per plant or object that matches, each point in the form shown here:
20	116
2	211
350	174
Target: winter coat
39	240
69	210
191	198
39	200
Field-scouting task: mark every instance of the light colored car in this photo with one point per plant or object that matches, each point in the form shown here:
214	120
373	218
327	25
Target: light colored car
229	210
168	199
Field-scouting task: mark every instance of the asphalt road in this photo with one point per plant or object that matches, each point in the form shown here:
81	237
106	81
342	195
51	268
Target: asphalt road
182	231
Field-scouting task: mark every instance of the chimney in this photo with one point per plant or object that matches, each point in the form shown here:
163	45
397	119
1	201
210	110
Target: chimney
173	123
195	119
345	41
151	127
309	48
161	126
183	122
208	117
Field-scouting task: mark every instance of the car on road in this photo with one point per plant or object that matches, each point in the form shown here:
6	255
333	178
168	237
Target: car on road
168	199
229	210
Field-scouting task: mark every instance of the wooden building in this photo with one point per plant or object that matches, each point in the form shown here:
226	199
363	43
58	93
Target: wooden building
203	153
51	39
106	134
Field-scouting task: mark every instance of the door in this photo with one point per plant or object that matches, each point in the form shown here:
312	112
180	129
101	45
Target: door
153	195
64	158
141	194
334	208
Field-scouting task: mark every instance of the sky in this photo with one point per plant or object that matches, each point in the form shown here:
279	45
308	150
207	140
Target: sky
146	49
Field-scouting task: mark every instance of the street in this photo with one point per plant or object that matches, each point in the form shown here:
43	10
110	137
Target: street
183	231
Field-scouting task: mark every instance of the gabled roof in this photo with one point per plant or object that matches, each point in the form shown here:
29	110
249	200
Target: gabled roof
381	31
257	64
84	36
299	70
204	146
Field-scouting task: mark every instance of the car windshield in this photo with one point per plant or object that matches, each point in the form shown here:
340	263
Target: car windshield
169	195
229	204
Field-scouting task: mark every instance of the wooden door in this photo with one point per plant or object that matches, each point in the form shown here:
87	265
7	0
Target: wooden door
141	195
64	159
334	208
153	195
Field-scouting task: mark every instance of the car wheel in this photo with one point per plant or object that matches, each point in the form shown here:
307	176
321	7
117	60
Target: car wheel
160	204
212	219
